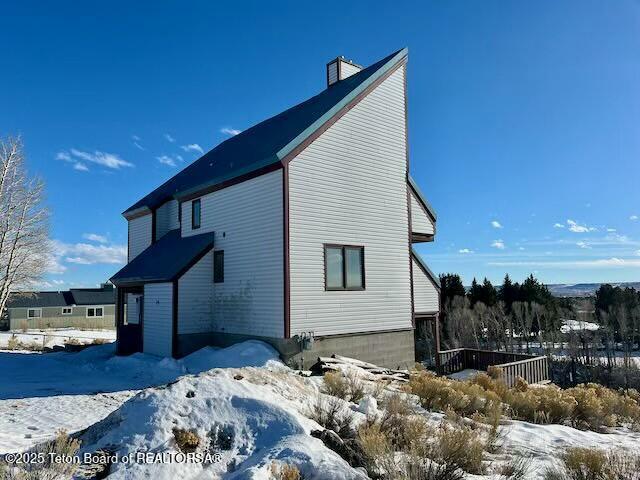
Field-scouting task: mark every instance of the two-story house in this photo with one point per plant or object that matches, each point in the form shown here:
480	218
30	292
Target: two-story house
297	231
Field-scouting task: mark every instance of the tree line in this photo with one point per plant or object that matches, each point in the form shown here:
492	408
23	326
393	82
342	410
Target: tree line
520	316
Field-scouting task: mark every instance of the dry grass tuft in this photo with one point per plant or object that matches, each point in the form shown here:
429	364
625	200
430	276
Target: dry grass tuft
284	471
186	440
346	387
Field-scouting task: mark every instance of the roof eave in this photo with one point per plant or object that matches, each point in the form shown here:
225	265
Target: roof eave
136	212
423	200
311	129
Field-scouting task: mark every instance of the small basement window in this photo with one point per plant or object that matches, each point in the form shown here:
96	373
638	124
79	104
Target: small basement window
218	266
95	312
67	310
34	313
195	214
343	267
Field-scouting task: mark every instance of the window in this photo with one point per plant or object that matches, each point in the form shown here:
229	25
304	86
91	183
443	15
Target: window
67	310
34	313
95	312
218	266
195	214
343	267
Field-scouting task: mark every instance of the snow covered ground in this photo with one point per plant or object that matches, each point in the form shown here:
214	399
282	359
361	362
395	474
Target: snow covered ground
56	336
242	393
43	393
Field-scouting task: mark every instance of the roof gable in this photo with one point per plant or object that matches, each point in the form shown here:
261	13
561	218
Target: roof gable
166	260
265	145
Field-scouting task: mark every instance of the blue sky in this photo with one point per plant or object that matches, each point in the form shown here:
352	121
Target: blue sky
523	116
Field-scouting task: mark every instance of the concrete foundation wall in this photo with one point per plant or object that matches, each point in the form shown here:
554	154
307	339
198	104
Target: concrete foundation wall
393	349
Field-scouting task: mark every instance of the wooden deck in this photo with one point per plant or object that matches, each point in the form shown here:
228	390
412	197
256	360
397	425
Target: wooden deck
532	368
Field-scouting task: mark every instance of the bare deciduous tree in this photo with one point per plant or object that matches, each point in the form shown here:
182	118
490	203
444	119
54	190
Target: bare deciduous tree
24	245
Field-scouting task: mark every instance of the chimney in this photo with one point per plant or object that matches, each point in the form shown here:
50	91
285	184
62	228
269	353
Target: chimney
339	69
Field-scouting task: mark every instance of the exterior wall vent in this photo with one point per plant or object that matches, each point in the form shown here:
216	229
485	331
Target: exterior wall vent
339	69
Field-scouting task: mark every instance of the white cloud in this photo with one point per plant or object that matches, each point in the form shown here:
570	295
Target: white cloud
496	224
638	253
599	263
499	244
558	225
583	245
87	254
230	131
77	157
166	160
610	230
465	250
139	147
520	248
577	228
94	237
169	138
192	147
633	218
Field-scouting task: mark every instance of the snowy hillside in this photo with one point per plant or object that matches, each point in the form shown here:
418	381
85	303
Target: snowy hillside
242	405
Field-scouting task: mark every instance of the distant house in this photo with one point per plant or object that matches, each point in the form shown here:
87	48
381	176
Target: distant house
78	307
298	231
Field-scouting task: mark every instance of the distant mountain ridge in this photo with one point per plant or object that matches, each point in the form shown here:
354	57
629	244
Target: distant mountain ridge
585	289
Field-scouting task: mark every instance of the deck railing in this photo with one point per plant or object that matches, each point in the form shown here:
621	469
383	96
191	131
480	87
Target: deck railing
532	368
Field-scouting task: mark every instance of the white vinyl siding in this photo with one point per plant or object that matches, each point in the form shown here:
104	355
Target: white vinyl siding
425	293
158	319
346	70
139	235
349	188
420	221
247	221
167	218
195	292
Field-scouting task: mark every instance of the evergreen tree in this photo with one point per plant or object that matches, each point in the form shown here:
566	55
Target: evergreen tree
450	287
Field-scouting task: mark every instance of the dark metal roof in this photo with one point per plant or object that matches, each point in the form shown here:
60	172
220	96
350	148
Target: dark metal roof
422	199
434	278
93	296
75	296
268	142
39	299
165	260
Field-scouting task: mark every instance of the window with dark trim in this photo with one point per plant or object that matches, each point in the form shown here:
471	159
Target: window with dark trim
195	214
343	267
218	266
67	310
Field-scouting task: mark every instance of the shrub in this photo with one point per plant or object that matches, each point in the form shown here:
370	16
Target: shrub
284	471
461	447
13	343
187	440
595	464
53	466
331	414
356	387
516	468
400	424
336	385
99	341
464	398
377	449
